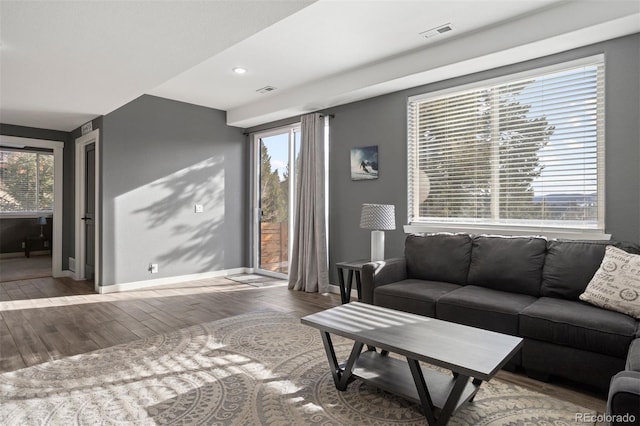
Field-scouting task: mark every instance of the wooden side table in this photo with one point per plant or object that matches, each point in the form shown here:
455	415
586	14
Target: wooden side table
354	266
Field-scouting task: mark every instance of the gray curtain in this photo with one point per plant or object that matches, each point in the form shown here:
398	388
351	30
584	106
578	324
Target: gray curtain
308	267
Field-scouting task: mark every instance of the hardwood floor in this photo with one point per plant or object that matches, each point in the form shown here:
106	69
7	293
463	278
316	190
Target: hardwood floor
23	268
46	319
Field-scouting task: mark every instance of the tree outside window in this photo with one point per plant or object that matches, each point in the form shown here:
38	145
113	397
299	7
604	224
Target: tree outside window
520	152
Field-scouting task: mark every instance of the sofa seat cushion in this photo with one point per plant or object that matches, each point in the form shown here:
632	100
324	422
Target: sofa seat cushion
484	308
511	264
578	325
415	296
438	257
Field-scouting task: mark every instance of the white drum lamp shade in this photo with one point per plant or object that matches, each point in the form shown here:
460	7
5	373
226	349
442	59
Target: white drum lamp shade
378	218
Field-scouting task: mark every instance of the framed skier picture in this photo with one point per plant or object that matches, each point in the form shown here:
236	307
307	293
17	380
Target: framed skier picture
364	163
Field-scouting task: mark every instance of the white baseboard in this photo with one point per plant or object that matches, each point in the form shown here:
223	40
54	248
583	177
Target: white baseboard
12	255
336	290
65	273
138	285
21	254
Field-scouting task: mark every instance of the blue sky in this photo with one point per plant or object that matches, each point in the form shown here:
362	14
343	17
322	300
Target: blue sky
278	150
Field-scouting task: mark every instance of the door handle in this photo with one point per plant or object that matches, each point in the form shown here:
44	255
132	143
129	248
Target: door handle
85	218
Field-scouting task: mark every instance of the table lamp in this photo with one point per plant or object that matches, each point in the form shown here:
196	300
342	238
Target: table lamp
378	218
42	221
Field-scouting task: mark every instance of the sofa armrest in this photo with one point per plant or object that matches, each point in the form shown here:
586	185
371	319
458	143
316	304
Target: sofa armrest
375	274
624	398
633	357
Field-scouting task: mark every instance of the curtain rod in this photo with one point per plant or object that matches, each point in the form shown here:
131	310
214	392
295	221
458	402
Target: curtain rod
276	127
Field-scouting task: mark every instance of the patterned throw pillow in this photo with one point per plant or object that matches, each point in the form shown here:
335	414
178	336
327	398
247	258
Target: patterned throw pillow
616	284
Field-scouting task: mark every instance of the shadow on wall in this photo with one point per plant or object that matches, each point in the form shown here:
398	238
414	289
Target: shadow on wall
158	223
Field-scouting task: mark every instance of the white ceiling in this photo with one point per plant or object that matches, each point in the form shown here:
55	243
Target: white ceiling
63	63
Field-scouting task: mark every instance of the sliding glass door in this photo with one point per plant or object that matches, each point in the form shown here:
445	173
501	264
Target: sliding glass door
276	166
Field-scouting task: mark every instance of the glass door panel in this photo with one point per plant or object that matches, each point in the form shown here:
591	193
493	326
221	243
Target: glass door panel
275	198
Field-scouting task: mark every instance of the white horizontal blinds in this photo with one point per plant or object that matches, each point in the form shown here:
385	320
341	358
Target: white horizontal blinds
561	129
26	182
525	152
453	156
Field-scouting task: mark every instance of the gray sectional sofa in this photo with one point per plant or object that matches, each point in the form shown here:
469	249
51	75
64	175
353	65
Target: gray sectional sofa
623	403
524	286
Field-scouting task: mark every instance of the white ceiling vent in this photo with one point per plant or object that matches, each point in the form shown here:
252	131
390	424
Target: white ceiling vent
437	31
266	89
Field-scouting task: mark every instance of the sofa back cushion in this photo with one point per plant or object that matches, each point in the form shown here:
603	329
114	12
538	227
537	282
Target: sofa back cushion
569	267
438	257
512	264
571	264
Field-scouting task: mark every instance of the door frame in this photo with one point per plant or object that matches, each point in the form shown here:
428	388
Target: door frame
255	196
58	158
80	237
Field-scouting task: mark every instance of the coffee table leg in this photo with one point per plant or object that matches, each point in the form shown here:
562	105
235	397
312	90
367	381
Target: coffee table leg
476	383
341	375
452	400
450	404
423	391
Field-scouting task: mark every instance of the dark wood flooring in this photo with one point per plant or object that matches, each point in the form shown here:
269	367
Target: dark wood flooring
46	319
24	268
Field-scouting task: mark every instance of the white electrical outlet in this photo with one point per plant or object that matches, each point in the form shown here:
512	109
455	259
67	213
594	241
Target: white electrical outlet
199	208
153	268
24	245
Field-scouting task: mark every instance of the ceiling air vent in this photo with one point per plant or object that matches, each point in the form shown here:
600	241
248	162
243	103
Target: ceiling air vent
266	89
437	31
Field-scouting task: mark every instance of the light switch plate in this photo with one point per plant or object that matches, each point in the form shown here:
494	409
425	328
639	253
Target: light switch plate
199	208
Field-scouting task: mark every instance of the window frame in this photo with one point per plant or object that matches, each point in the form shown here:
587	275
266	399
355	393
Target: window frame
28	214
471	225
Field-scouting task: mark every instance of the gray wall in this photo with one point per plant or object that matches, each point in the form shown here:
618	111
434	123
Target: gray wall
160	157
382	121
68	176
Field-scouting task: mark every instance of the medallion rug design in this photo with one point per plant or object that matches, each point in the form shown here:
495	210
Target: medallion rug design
253	369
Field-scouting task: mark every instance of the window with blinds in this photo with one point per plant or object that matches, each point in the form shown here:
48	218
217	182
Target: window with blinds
524	151
26	182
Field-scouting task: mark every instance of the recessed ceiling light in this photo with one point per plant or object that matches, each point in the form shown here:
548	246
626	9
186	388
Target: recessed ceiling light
239	70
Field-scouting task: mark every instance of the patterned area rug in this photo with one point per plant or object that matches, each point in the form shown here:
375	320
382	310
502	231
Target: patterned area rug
260	368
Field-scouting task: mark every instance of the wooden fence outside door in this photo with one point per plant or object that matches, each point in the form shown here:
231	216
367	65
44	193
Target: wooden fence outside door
274	247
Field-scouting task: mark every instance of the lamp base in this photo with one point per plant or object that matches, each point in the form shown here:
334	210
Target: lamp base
377	245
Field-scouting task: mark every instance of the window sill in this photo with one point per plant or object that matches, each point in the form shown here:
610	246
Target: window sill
29	215
573	234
